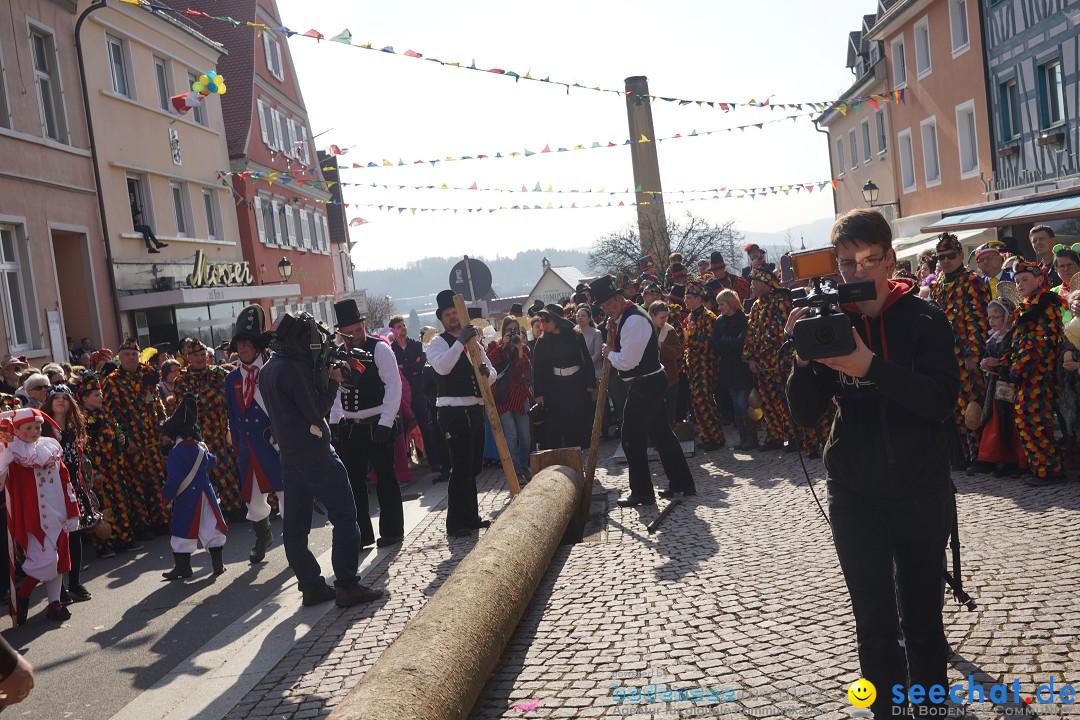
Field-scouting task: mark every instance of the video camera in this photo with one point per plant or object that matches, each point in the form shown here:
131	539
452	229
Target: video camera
302	337
514	335
826	331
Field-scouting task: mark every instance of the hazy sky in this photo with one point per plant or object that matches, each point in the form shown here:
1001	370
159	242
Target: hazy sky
392	107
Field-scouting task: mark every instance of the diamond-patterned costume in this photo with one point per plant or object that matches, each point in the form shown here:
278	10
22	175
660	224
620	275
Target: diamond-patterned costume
208	387
764	336
103	447
701	372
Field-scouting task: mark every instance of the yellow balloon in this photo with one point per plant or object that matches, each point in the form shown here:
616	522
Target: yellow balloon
754	399
204	79
754	414
221	88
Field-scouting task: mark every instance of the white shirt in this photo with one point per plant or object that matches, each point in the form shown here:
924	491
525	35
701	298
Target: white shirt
443	358
633	337
386	362
259	362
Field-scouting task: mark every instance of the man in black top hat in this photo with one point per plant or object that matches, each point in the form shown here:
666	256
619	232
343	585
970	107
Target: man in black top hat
460	413
252	436
563	381
364	417
635	356
536	307
516	310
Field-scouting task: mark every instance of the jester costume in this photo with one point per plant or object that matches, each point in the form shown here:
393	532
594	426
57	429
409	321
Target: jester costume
815	437
104	447
132	400
1032	359
963	296
208	387
764	336
701	370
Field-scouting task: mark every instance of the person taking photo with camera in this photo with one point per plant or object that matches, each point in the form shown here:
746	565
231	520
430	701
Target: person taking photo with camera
887	458
509	355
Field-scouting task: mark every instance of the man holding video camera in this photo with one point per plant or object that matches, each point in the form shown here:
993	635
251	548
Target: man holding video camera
887	457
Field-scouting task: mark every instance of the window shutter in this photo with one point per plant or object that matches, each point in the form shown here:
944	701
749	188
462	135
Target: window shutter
290	221
277	129
262	122
325	234
305	157
279	228
305	227
259	219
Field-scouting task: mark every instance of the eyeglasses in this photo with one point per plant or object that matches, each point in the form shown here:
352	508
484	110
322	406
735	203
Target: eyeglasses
869	263
37	387
948	256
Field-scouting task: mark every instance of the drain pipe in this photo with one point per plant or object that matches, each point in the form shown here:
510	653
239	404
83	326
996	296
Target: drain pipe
97	5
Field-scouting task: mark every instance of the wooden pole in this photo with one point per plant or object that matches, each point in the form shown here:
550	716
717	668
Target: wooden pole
598	421
489	400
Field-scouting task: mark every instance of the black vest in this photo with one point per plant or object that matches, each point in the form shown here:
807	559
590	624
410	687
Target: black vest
369	389
650	359
461	382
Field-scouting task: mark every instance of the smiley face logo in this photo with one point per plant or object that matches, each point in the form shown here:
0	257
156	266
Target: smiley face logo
862	693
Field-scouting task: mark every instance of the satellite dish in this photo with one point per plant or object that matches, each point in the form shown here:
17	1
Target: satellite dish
481	280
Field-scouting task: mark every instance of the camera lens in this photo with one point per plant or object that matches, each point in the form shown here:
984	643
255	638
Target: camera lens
825	335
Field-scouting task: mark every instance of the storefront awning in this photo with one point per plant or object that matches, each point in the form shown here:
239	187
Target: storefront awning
206	296
1031	212
911	247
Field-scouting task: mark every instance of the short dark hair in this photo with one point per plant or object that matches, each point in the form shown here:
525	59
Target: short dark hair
866	227
658	306
1042	228
395	319
676	257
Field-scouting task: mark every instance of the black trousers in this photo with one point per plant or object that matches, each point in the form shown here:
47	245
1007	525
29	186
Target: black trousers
438	437
567	419
427	429
148	235
891	553
464	428
645	423
357	450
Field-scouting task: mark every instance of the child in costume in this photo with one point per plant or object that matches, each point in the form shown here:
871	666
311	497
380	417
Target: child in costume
1000	444
195	515
41	508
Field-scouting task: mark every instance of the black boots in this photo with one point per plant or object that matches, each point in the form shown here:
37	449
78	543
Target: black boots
216	559
182	569
263	539
751	435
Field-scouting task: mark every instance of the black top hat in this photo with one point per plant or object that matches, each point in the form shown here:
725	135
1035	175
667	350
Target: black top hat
516	310
604	288
580	298
347	313
557	314
184	422
251	325
714	286
581	287
536	307
475	313
443	301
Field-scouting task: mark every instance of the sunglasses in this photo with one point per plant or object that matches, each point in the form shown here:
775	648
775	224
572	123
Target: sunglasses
38	387
948	256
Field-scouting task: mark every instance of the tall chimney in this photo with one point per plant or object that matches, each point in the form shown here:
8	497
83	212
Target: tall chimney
652	222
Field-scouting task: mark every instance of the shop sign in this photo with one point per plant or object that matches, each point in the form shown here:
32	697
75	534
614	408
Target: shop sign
207	274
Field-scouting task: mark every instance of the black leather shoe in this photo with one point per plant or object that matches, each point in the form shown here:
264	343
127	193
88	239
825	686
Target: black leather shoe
772	445
161	245
317	597
482	525
444	476
459	532
78	593
388	541
631	501
668	494
347	597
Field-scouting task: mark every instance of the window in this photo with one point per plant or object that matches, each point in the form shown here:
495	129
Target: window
181	210
931	166
306	227
121	84
266	124
1009	100
14	290
281	132
907	160
882	138
279	222
264	220
922	48
138	187
967	140
198	113
958	25
840	156
164	83
302	149
899	63
213	221
273	55
1051	96
853	145
866	140
47	79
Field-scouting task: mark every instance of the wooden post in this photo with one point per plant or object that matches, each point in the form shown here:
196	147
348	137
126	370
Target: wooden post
598	420
489	399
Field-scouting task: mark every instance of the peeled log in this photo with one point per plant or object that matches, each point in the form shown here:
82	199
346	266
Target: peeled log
439	663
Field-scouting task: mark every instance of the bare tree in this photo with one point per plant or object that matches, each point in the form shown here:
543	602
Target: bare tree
380	309
696	238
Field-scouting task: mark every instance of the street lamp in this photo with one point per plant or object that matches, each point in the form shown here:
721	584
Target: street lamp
870	195
284	269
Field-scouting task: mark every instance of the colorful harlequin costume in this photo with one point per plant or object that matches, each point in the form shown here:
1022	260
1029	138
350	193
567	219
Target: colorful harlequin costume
764	336
1032	362
104	447
701	368
208	387
963	296
132	400
41	510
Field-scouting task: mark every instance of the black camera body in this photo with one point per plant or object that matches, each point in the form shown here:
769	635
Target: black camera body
514	336
826	332
302	337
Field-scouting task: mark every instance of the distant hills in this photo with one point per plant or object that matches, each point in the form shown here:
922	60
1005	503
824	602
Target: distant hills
415	285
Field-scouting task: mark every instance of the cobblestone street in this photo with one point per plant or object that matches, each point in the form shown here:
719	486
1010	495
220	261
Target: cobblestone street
739	590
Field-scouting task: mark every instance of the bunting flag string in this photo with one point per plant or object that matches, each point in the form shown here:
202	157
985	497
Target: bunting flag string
600	191
345	37
547	148
742	195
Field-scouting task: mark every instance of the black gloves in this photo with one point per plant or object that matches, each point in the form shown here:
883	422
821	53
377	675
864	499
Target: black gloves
381	435
467	333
